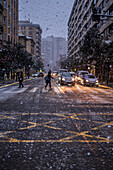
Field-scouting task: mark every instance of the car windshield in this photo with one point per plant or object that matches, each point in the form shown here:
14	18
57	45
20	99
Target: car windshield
84	73
91	76
66	74
72	74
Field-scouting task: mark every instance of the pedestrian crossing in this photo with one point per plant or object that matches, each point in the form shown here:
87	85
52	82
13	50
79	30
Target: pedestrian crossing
58	90
97	94
13	90
33	90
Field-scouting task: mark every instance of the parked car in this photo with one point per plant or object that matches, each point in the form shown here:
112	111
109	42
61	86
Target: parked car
38	74
80	75
66	78
35	74
89	79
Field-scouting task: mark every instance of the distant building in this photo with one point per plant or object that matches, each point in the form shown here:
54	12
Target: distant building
34	31
53	48
27	43
80	22
10	21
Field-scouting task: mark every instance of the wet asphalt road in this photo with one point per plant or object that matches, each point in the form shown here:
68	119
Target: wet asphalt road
62	129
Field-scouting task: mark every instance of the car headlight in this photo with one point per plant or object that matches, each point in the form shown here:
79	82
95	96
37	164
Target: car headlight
96	81
79	78
87	80
73	79
63	79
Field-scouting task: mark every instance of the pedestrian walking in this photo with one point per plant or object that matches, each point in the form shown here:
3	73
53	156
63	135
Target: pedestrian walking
20	77
48	80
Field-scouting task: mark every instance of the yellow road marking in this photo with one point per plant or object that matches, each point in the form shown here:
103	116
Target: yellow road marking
105	124
84	134
12	140
12	84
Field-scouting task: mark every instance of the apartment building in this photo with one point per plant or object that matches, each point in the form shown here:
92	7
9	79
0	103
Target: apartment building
27	43
34	31
80	22
53	48
10	21
1	20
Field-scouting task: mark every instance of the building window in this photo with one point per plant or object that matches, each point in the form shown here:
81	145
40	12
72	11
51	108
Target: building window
30	28
4	3
1	2
5	18
30	33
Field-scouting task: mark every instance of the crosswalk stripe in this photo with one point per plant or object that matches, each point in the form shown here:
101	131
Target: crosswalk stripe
91	90
44	90
80	89
33	90
70	91
103	91
59	88
56	90
99	99
15	91
21	90
11	90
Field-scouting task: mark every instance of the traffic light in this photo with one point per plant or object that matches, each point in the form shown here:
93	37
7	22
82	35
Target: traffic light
96	14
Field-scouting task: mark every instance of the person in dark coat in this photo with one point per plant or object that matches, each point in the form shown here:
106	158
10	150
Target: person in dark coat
48	79
20	78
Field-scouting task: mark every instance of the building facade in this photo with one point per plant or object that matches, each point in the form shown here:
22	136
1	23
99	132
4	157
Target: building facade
10	21
27	43
1	20
80	22
34	31
53	48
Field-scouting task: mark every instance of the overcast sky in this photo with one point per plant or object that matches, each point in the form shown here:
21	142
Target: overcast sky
51	15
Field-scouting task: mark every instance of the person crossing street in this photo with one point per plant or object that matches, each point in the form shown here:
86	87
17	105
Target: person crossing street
20	77
48	80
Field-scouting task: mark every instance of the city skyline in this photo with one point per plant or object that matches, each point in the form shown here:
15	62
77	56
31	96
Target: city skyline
51	16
